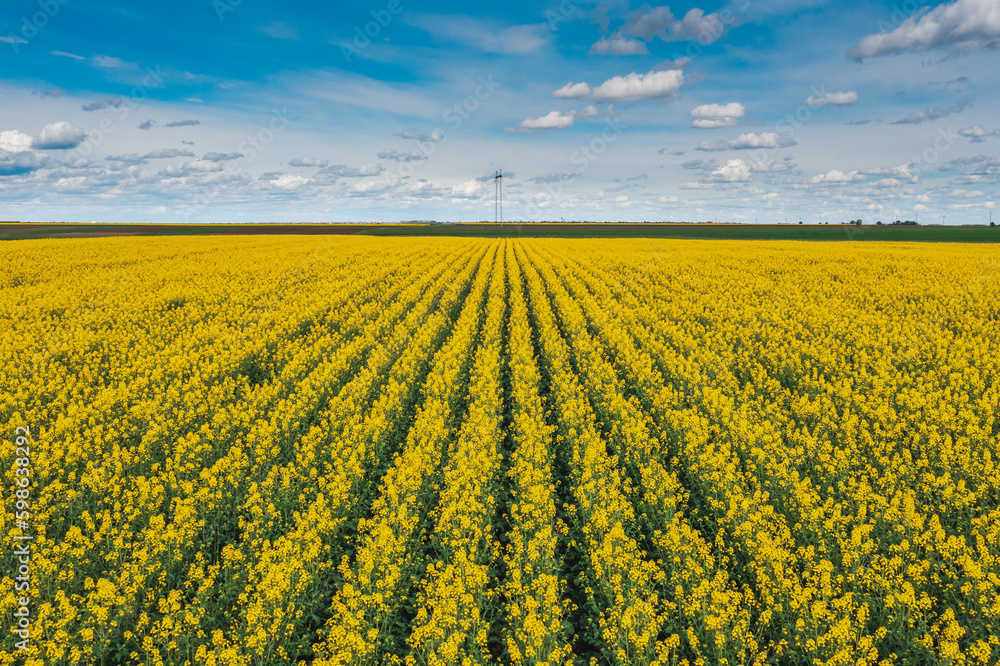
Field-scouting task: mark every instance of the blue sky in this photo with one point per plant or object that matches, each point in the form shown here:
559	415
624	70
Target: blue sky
252	110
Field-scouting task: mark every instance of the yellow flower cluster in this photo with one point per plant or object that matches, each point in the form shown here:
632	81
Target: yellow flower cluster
536	606
273	450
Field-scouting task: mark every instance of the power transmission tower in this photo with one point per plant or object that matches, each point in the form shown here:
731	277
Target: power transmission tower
498	197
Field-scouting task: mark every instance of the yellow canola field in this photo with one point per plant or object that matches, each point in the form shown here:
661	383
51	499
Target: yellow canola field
430	451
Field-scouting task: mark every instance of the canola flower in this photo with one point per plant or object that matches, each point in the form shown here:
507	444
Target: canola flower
255	450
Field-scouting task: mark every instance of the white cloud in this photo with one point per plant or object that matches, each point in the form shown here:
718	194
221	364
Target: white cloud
109	62
648	23
699	165
973	23
221	157
64	54
715	116
488	36
280	30
308	162
167	153
289	182
836	176
127	158
343	171
966	194
773	166
618	46
572	91
978	134
733	171
554	177
468	189
202	165
698	186
591	111
552	120
925	115
902	171
21	162
633	87
100	104
887	183
13	39
13	141
731	110
834	99
402	157
59	136
434	137
768	140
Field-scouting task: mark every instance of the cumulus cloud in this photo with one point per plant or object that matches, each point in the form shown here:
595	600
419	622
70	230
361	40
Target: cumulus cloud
551	120
966	194
202	165
925	115
618	46
343	171
970	23
572	91
837	177
648	23
774	166
592	111
116	102
13	141
434	137
902	171
308	162
470	189
767	140
167	153
699	165
834	99
221	157
289	181
655	85
127	158
397	156
733	171
59	136
183	123
713	116
976	169
978	134
18	163
887	183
